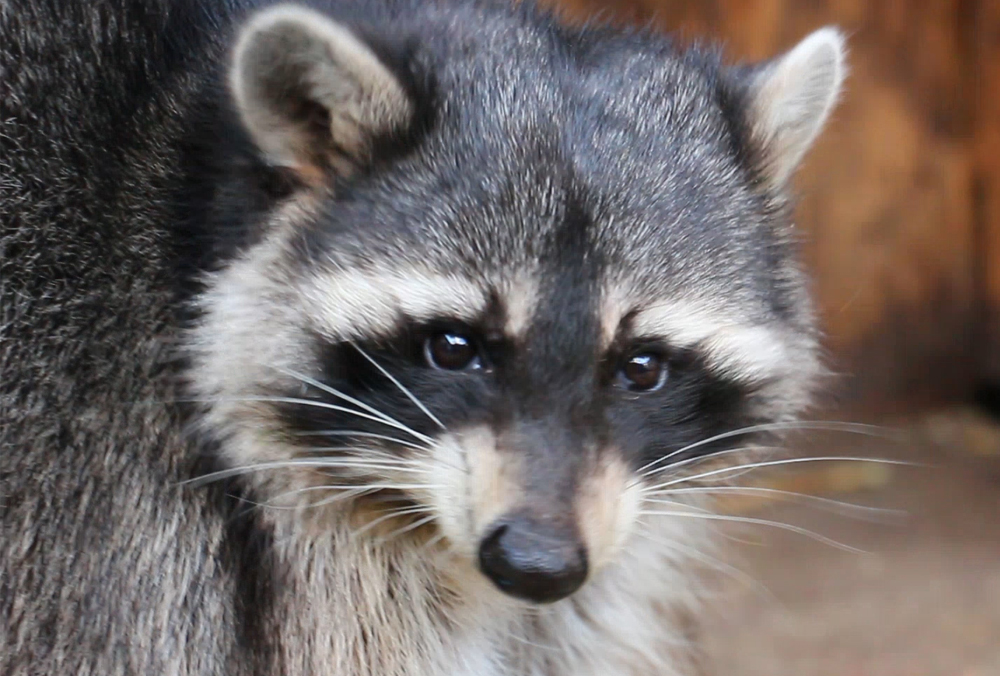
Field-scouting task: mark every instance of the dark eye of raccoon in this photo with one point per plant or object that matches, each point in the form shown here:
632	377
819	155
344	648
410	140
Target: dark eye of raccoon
644	372
452	351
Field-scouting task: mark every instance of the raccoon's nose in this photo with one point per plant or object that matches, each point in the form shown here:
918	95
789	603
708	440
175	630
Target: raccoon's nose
533	562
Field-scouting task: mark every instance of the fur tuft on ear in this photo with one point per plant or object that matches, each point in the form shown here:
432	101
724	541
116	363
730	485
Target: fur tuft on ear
791	99
311	94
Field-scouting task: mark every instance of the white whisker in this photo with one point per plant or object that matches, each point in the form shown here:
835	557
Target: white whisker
814	425
433	541
365	435
343	496
707	457
521	639
772	463
374	467
277	465
286	494
398	384
761	522
683	505
392	514
413	526
846	508
337	393
324	405
727	569
372	460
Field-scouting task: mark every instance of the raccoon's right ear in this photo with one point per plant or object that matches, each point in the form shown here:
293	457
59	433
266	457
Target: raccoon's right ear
312	95
790	99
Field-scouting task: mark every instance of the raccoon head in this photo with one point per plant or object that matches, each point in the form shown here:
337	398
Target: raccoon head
520	278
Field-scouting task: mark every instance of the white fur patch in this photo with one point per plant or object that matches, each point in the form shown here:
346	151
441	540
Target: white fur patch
470	485
607	508
362	304
250	331
520	297
744	352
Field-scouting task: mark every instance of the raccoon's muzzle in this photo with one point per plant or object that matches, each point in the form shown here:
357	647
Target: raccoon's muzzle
533	560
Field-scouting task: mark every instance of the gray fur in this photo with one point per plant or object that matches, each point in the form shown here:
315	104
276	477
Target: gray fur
143	264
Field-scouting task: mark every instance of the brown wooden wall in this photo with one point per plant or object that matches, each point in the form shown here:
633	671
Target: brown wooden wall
901	197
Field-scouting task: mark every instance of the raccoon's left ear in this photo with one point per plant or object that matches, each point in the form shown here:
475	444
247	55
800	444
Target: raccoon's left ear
790	99
312	95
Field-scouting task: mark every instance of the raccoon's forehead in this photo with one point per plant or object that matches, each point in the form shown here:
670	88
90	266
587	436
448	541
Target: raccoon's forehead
722	253
637	152
509	242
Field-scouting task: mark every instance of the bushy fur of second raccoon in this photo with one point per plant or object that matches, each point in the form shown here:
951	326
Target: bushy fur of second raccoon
128	189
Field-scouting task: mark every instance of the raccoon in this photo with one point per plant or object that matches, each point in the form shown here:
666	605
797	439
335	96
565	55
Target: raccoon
370	338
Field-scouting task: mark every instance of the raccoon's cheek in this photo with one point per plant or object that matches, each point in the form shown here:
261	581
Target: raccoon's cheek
608	504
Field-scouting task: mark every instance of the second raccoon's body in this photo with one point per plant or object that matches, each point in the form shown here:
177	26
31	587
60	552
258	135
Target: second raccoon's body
369	338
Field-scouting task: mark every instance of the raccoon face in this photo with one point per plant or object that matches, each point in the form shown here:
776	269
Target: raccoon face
523	277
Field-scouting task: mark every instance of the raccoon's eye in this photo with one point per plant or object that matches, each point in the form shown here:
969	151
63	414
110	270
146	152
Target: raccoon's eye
644	372
452	351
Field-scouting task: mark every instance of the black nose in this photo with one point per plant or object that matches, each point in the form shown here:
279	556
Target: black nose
533	562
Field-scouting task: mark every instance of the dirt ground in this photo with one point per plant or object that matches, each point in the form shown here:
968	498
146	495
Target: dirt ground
924	598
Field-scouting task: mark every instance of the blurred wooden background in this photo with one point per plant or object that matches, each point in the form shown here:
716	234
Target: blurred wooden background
901	196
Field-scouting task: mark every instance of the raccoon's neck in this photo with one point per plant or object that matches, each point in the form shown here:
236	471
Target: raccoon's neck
352	607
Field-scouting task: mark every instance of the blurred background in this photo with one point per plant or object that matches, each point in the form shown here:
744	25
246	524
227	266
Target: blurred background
900	209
